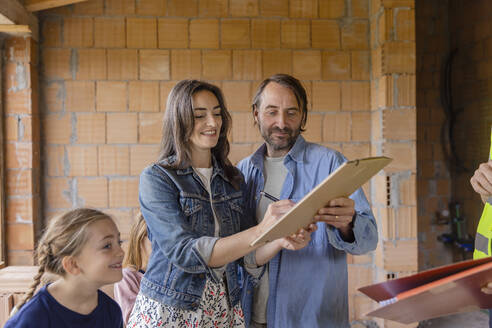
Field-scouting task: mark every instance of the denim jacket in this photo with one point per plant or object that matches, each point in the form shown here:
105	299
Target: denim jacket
176	207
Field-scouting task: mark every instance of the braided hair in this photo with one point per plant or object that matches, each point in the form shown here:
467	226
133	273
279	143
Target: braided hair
65	235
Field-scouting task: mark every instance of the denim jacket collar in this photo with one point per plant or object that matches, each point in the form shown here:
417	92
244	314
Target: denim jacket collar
296	153
217	169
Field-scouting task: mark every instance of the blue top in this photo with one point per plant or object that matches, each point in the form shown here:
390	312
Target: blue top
178	211
308	288
43	311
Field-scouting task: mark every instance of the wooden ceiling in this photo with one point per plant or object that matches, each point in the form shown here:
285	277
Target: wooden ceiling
17	18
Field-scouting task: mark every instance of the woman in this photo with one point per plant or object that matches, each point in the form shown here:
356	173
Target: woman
200	232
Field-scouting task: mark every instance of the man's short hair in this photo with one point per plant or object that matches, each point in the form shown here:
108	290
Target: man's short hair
289	82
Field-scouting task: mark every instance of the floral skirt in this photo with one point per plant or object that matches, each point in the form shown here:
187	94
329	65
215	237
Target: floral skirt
213	311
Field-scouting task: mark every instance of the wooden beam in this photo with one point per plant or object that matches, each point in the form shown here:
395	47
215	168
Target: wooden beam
12	12
37	5
15	30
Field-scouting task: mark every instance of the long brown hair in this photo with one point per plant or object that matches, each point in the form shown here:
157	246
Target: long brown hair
138	233
179	121
65	235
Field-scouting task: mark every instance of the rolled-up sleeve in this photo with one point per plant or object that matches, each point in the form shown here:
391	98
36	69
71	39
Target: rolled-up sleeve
167	224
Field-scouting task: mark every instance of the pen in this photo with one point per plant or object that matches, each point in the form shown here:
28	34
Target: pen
267	195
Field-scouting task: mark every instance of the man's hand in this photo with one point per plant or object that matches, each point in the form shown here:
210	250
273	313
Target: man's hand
298	240
481	180
487	289
338	213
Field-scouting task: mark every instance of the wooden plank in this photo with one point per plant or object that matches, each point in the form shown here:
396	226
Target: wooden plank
37	5
13	12
16	30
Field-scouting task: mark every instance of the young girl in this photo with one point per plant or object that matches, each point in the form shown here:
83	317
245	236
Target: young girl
192	202
134	266
82	246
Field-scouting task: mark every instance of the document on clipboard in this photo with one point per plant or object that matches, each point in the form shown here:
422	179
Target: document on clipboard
433	293
344	181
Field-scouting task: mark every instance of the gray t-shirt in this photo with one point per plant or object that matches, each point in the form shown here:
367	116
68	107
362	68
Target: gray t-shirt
275	173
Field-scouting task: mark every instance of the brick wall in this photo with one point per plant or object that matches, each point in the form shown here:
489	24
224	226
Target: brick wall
107	67
22	159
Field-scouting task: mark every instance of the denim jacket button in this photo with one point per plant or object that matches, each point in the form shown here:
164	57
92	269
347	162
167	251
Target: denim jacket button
202	276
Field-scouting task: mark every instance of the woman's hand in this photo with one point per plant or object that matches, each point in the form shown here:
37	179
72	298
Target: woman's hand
298	240
274	212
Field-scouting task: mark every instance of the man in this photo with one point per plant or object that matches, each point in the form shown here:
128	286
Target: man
308	287
481	182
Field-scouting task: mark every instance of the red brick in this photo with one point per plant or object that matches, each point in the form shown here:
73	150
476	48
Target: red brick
18	155
51	33
52	95
399	124
336	127
325	34
295	34
114	160
142	156
240	151
361	126
56	164
217	64
314	125
405	25
173	33
19	210
407	191
120	7
246	64
19	182
144	96
92	192
243	128
303	8
121	128
151	8
235	33
20	258
277	61
407	222
59	192
165	88
356	96
361	65
150	128
154	64
111	96
403	154
326	96
93	8
279	8
141	32
213	8
109	32
355	36
186	8
78	32
20	236
123	192
91	128
186	64
265	33
331	8
307	64
238	95
18	102
357	150
92	64
401	255
360	8
82	160
122	64
80	96
243	8
406	85
204	33
398	57
57	129
335	65
56	64
12	128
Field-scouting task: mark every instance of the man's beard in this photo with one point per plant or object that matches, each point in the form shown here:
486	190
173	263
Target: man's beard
280	144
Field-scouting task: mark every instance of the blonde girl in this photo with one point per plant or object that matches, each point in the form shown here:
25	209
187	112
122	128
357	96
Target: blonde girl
134	266
82	246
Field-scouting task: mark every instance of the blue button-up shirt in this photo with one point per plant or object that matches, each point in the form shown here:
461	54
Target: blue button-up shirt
308	288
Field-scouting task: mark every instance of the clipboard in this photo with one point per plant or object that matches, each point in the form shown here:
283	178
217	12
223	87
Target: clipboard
433	293
342	182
